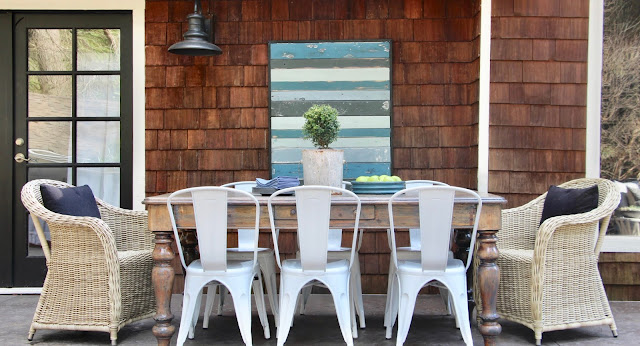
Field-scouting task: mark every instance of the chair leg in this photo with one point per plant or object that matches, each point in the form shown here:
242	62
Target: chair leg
223	295
339	288
208	308
393	306
387	308
32	332
458	293
305	293
113	334
240	290
194	319
262	312
614	329
356	283
188	305
268	268
408	293
289	290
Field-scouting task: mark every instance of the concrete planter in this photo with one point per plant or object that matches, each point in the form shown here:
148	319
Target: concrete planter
322	167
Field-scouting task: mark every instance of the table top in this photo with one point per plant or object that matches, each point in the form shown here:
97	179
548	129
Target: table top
487	198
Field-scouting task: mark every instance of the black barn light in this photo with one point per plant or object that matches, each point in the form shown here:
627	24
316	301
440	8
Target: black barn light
197	40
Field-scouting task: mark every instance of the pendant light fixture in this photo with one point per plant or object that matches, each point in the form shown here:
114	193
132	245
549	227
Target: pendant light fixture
197	40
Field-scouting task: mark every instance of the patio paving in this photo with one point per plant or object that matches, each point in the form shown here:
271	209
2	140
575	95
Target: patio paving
430	326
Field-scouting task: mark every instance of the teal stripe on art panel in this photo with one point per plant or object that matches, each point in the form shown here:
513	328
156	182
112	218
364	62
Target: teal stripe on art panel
330	50
350	170
343	133
329	63
321	85
356	142
298	108
294	155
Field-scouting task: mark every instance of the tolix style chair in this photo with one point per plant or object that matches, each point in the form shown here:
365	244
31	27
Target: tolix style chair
337	252
244	251
435	204
313	207
238	276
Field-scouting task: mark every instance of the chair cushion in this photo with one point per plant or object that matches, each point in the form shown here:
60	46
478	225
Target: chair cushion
73	201
561	201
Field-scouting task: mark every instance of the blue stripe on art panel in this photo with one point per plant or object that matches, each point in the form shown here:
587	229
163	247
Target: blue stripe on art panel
342	85
297	108
350	170
343	133
330	50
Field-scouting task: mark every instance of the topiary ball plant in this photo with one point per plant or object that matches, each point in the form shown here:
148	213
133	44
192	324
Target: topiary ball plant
321	125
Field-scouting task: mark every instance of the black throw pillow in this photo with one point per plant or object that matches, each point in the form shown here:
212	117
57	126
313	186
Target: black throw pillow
561	201
73	201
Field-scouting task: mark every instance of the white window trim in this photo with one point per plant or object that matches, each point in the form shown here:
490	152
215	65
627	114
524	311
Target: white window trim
137	12
612	243
483	97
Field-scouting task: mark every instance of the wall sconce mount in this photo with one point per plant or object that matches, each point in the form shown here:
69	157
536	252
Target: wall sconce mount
197	40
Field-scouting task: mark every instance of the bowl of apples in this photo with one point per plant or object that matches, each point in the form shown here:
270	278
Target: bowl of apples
377	184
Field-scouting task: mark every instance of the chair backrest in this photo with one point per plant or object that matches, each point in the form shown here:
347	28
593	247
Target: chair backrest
210	214
435	209
313	212
335	234
414	233
608	201
245	236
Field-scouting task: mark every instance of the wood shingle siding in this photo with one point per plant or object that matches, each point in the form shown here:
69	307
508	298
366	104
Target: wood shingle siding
538	96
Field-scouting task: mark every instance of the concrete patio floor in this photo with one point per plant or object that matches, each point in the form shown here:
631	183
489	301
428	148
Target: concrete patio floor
430	326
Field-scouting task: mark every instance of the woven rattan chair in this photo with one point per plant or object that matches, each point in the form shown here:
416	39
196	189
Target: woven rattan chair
549	278
99	270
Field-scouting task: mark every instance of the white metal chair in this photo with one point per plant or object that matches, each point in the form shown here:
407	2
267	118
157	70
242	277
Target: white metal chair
313	206
436	205
338	252
244	251
411	252
210	213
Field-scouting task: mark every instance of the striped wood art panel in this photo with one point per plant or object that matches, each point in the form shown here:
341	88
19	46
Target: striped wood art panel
354	78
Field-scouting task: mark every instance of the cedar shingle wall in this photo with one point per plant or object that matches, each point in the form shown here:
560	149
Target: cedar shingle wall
207	117
538	95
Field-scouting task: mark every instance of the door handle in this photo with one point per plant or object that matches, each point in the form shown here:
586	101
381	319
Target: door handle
20	158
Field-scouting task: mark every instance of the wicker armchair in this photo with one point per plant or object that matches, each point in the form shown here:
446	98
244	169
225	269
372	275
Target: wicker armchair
99	270
549	278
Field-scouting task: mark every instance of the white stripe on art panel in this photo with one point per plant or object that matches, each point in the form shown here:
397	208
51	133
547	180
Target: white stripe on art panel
346	122
360	142
329	74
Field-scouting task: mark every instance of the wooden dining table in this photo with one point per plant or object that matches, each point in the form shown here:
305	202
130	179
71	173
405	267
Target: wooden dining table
374	215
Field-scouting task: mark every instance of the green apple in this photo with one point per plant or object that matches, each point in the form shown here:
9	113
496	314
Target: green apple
386	178
362	178
396	178
374	178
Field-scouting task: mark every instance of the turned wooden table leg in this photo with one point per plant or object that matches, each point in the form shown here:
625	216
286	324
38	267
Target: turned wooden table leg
488	280
162	277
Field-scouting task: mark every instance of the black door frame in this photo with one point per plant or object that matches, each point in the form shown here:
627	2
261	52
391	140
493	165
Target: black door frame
11	209
6	148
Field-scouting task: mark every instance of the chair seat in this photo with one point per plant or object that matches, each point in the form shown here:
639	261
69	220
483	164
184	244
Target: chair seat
414	266
294	265
260	249
232	266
